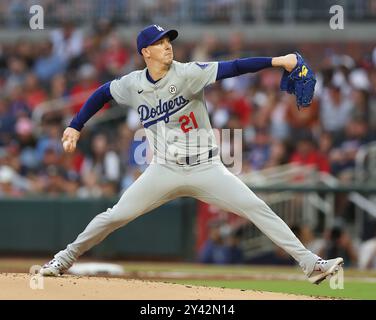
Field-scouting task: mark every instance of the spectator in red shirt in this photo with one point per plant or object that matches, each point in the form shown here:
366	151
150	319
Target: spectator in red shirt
85	86
307	154
240	106
114	58
34	94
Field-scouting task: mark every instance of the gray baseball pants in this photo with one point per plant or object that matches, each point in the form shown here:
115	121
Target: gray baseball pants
209	182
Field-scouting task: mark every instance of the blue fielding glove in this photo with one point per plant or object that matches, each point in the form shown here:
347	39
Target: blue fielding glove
300	81
286	83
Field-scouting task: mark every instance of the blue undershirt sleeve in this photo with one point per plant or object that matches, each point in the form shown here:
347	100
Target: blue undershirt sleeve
233	68
95	102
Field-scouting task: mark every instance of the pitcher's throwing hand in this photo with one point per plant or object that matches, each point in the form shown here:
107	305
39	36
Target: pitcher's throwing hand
69	139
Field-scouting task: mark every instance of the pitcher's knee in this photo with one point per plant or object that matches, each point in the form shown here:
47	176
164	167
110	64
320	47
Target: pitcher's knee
117	217
261	204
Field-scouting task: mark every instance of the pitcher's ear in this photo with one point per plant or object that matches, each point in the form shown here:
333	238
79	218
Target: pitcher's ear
145	52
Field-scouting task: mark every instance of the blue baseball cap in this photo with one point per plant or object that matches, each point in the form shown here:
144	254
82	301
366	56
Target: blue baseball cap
151	34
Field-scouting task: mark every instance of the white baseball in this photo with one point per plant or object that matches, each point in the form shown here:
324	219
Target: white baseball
67	146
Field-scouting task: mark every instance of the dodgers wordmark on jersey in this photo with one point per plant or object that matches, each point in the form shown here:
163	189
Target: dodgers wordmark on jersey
173	110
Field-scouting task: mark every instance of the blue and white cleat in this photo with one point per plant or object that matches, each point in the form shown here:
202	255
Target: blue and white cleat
54	268
324	268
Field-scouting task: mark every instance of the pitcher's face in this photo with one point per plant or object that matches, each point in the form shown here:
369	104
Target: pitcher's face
160	51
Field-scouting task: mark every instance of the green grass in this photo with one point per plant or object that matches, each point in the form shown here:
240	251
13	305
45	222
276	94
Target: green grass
208	269
232	269
352	290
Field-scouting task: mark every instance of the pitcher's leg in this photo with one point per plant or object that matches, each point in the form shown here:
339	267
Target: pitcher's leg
220	187
141	197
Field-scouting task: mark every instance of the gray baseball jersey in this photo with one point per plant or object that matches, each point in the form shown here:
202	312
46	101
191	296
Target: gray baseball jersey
173	110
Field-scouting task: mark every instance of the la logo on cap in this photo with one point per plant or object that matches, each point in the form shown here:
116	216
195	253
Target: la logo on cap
159	28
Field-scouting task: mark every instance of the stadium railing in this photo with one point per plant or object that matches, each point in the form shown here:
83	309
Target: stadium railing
302	196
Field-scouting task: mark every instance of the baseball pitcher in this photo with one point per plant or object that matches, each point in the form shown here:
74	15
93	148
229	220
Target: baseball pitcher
169	99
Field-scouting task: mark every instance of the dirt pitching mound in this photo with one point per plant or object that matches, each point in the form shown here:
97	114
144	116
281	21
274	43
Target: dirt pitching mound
22	286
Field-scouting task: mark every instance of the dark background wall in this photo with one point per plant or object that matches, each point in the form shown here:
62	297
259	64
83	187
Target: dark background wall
44	226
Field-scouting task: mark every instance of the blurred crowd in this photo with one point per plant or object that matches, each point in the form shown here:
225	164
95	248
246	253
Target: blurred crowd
57	75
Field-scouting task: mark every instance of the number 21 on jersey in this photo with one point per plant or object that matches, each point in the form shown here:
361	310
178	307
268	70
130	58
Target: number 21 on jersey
185	122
